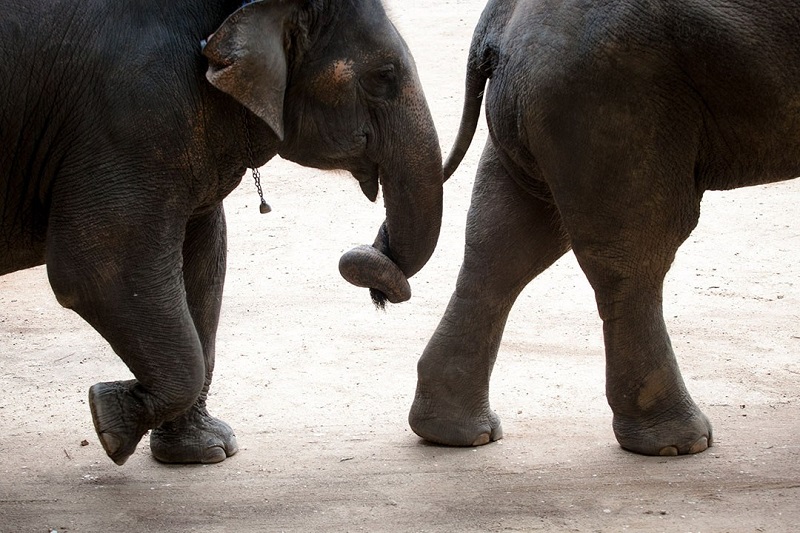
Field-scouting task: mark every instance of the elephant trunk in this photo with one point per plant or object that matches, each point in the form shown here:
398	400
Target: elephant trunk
411	177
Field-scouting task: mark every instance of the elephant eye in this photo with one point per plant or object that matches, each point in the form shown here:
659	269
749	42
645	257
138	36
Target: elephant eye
381	82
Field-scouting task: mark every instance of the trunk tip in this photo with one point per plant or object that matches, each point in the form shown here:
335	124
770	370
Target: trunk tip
365	266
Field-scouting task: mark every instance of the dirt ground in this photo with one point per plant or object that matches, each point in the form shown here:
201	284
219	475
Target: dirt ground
317	383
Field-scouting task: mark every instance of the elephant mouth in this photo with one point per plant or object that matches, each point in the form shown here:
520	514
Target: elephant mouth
369	180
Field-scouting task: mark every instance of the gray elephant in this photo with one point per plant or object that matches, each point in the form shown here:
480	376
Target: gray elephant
125	124
607	122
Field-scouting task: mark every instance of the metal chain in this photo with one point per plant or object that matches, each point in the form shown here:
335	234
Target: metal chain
264	208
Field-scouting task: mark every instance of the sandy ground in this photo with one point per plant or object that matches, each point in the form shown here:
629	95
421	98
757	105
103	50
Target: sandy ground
317	383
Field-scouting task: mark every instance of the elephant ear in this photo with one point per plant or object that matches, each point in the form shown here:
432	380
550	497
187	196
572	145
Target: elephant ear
247	58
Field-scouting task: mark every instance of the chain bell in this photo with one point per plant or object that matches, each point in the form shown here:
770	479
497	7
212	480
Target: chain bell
264	207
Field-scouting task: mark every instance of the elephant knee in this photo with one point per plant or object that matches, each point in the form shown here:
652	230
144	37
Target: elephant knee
64	286
88	291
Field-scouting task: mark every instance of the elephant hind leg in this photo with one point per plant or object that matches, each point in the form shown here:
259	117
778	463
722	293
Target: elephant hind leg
511	238
626	227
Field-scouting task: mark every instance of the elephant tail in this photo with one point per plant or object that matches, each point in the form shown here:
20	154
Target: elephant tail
478	72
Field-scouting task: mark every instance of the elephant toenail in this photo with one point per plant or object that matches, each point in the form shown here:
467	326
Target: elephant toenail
111	443
699	446
482	439
668	451
214	455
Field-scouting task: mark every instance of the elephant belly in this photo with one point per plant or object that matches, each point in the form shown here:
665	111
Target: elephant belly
22	245
14	255
23	210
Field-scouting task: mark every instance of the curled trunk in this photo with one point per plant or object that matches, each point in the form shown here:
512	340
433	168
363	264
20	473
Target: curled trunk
411	177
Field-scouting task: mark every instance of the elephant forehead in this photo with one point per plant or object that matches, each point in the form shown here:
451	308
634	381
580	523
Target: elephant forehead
332	82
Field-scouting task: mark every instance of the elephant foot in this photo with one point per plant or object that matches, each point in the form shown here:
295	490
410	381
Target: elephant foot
676	432
119	418
452	423
193	437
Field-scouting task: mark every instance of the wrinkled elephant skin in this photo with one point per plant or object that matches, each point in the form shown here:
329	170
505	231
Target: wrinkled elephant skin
607	122
125	124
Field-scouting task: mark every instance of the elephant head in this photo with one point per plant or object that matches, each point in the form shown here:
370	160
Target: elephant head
337	85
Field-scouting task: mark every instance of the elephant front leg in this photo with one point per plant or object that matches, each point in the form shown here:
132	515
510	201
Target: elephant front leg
511	237
130	289
195	436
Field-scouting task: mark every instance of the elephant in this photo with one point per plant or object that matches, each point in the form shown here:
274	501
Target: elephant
125	124
607	122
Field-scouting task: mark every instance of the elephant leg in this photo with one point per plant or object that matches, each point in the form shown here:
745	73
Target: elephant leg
195	436
625	234
118	265
511	237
